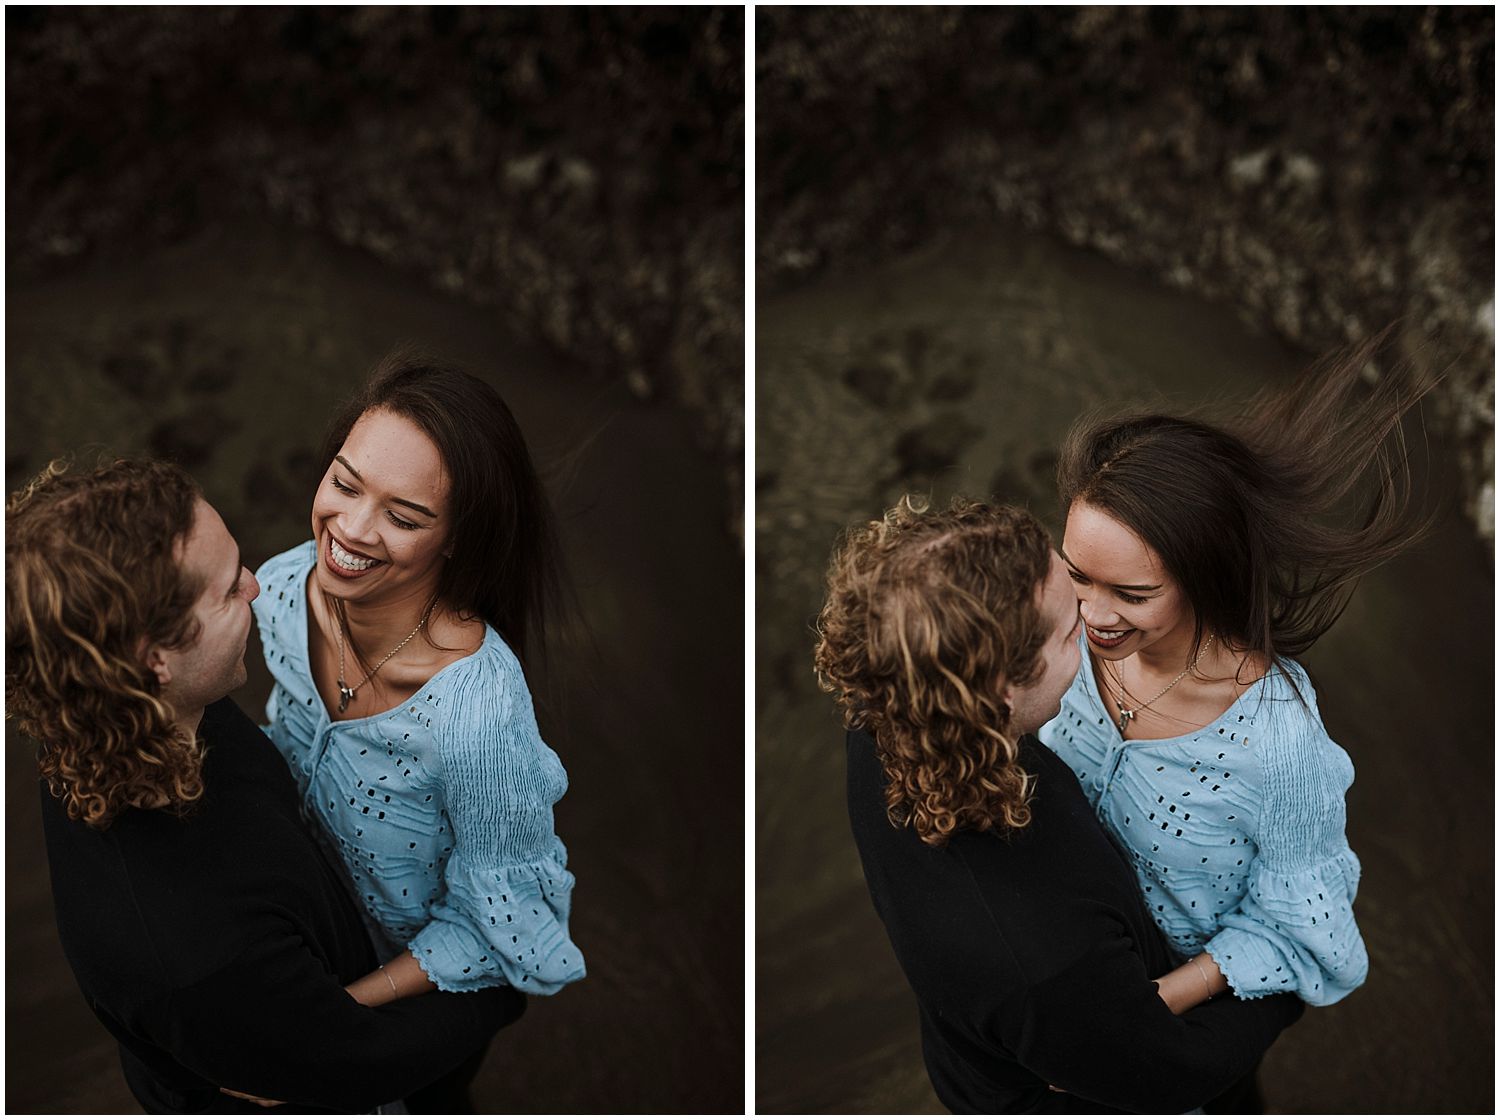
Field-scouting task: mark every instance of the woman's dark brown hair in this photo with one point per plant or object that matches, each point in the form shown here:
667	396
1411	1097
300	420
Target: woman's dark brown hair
929	616
92	577
1268	519
505	566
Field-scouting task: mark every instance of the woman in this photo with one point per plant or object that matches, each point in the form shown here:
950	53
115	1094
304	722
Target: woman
400	704
1204	558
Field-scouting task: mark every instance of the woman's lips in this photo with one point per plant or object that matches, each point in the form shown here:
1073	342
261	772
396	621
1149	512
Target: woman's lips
1120	637
338	569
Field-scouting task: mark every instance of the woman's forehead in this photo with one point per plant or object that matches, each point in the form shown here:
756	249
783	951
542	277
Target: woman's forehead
392	452
1095	539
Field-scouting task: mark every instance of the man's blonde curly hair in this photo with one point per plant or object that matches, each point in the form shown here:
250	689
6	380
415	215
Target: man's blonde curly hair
929	616
92	579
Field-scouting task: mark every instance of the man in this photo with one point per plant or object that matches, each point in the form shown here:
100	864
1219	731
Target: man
203	923
949	638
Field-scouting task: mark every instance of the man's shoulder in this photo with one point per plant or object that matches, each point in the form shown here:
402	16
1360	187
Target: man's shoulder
224	721
1057	803
975	873
184	890
1060	873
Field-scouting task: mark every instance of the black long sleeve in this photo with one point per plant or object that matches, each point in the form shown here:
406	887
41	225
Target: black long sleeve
275	1023
216	948
1032	957
1100	1031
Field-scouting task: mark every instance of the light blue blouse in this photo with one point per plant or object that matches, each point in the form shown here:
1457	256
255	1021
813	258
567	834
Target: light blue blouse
441	808
1236	832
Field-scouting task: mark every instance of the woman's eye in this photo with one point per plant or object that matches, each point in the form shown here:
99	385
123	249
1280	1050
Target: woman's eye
337	485
1076	577
399	523
1132	599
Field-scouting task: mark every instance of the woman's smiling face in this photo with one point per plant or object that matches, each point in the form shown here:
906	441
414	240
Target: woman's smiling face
1128	600
379	516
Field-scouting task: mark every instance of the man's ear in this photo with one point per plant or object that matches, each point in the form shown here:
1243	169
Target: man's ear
156	661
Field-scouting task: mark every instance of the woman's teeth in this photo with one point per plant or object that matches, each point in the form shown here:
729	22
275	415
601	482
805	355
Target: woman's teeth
347	559
1108	635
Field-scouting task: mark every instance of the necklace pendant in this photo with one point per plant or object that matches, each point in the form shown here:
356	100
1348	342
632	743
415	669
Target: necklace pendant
345	695
1126	715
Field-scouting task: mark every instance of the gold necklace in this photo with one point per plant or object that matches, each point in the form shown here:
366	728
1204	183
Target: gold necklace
346	693
1128	714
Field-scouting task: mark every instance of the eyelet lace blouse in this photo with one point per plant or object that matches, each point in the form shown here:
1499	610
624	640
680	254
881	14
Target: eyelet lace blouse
440	809
1236	832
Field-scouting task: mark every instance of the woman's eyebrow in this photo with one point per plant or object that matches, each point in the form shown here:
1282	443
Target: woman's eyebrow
1116	586
398	501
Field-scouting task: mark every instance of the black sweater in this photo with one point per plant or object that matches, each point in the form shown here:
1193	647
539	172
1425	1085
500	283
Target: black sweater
215	949
1032	958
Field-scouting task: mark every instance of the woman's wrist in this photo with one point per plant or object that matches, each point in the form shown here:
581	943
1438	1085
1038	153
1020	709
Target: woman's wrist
374	988
395	994
1191	984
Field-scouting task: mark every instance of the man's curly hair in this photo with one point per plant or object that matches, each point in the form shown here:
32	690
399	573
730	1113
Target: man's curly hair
929	615
92	579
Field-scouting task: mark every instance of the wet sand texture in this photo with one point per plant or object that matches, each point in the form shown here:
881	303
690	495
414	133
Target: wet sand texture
230	350
957	368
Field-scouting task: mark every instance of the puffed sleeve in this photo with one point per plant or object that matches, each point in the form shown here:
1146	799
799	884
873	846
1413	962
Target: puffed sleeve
1294	930
503	917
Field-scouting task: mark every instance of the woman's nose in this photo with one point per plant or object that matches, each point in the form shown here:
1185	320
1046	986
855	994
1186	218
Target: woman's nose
1094	616
358	524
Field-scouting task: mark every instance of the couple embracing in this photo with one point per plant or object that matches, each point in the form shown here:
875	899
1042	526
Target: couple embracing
337	911
1097	809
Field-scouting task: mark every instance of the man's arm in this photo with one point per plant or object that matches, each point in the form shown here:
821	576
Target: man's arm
1100	1031
277	1024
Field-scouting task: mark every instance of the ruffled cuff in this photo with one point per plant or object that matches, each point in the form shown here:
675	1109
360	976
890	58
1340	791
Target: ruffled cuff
1294	932
505	925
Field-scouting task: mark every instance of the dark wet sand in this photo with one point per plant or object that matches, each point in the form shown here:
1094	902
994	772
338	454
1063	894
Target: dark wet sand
252	335
977	351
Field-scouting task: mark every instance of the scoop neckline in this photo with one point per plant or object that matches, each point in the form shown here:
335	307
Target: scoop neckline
328	716
1086	671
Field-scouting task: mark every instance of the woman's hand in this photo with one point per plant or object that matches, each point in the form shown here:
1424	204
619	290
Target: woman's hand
262	1101
1188	985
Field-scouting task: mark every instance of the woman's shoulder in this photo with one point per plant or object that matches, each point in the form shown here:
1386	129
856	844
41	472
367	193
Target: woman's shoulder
488	725
492	663
285	565
1292	739
482	690
283	581
1287	696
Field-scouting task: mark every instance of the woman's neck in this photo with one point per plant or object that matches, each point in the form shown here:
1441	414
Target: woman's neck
376	628
1172	654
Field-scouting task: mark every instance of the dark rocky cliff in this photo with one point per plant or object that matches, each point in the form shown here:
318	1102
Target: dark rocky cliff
1325	171
578	169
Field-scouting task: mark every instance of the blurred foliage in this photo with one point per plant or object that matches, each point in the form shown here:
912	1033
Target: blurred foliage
843	92
1324	170
580	168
